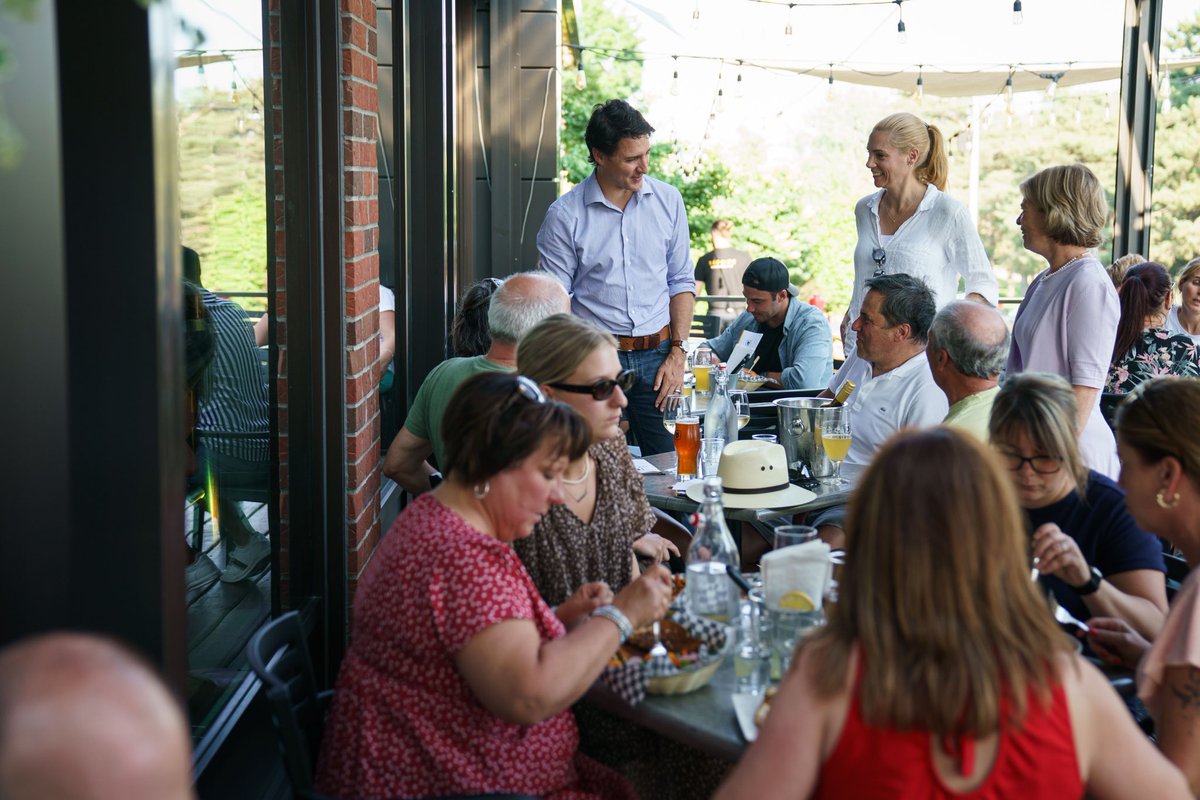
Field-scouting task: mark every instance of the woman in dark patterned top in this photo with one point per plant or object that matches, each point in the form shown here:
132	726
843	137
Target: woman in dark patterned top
1145	348
595	533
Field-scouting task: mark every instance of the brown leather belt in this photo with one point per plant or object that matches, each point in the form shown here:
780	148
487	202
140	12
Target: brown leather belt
647	342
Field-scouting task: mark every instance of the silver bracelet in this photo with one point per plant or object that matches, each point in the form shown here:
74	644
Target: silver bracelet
616	617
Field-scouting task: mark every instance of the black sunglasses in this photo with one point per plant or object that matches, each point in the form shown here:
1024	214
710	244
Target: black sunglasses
601	389
879	256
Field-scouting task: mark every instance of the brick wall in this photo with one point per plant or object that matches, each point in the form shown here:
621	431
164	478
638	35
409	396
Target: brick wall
360	270
360	254
277	283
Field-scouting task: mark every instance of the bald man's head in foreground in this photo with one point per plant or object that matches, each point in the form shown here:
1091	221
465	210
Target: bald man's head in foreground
83	718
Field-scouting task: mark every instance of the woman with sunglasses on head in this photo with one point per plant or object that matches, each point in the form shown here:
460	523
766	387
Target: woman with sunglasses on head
1090	552
459	677
1160	472
1067	321
910	225
604	519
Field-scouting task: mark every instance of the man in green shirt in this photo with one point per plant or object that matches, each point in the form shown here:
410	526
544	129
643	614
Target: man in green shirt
968	346
523	301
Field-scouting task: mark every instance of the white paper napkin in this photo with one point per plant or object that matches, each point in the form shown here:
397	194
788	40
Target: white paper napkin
801	566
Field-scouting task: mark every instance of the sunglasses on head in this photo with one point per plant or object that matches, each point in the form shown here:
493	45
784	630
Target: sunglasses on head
524	389
601	389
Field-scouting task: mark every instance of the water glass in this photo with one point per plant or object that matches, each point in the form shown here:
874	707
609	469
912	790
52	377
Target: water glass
710	455
752	658
788	535
766	437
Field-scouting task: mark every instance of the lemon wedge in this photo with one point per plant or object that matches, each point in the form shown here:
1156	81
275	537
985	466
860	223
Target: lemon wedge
797	600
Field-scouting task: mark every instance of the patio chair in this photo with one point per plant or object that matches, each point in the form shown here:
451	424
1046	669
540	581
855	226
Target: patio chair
279	656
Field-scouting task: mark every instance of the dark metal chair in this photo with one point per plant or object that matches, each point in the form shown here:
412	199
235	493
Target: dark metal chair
279	656
705	326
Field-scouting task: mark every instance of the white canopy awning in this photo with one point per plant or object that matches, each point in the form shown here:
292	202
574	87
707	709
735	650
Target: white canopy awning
978	82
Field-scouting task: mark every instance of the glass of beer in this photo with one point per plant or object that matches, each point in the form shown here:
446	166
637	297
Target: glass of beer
687	446
703	361
833	430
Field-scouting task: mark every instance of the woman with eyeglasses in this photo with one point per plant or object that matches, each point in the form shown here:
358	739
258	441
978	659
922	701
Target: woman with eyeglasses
909	225
1089	551
1160	472
459	677
939	673
1145	348
603	521
1067	321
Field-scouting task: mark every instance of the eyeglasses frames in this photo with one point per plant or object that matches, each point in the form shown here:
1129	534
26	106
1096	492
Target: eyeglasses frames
1042	465
601	389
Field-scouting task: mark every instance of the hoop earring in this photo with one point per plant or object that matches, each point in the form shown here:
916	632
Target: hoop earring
1158	498
481	490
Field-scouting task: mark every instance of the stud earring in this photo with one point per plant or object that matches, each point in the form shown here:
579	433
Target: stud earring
1162	503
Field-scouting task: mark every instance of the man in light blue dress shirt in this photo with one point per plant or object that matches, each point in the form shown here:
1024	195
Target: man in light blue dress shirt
618	242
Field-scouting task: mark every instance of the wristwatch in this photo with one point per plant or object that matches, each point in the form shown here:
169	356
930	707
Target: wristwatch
1093	583
679	343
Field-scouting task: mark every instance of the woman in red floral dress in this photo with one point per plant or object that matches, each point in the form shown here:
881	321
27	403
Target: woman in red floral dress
459	678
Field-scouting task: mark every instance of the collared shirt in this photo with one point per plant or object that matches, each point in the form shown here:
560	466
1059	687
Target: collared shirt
621	268
904	397
806	351
973	412
938	243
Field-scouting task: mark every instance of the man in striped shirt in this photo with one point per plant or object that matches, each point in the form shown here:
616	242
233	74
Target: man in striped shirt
234	439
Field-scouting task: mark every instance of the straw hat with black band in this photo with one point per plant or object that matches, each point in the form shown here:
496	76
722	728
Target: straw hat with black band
754	475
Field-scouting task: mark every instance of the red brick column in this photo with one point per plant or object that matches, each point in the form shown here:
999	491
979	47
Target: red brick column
274	82
360	216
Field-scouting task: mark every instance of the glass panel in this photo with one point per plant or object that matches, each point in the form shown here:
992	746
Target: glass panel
222	197
1174	231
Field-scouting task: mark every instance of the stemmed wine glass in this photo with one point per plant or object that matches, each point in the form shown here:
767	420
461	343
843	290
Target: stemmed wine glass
741	406
835	435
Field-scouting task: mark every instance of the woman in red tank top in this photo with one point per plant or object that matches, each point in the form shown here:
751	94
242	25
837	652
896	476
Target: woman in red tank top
941	672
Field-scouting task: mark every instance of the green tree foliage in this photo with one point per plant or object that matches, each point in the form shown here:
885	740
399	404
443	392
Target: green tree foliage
1174	229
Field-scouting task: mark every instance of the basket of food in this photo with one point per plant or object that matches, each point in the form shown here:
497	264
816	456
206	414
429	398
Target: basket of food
695	649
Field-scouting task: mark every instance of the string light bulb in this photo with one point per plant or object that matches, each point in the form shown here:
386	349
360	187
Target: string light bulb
920	84
580	78
1008	93
1018	17
719	105
696	14
675	77
901	30
787	28
738	92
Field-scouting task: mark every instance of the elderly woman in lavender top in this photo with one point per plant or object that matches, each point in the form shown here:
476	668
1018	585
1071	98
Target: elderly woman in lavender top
1067	322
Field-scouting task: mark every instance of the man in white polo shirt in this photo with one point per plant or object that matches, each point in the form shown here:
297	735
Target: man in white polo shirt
894	388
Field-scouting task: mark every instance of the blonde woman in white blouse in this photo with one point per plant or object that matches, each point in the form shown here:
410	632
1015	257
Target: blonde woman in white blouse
910	225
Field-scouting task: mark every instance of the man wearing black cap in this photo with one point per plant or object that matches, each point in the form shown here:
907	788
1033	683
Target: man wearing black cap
796	349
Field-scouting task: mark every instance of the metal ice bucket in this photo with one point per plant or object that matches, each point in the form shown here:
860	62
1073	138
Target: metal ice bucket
797	422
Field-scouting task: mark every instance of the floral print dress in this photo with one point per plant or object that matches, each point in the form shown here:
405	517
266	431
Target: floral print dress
1158	352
